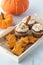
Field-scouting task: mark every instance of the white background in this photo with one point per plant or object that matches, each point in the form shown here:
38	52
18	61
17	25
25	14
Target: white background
36	56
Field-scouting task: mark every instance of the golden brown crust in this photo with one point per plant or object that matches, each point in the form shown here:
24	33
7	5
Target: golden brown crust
18	50
22	43
11	40
32	39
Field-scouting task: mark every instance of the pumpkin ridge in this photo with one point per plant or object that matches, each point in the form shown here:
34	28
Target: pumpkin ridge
23	7
26	7
10	4
5	23
7	3
16	7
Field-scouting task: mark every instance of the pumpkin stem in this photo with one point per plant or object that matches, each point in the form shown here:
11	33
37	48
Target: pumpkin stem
2	15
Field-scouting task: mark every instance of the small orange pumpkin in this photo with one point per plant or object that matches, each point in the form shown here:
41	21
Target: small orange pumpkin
15	6
5	20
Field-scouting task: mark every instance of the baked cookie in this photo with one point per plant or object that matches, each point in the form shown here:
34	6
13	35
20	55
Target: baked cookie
11	40
22	44
25	41
18	48
32	39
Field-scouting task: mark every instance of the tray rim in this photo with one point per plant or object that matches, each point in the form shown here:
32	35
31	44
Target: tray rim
7	31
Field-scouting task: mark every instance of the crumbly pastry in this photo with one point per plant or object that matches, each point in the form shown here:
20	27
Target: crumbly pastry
18	48
21	29
22	44
32	39
37	30
11	40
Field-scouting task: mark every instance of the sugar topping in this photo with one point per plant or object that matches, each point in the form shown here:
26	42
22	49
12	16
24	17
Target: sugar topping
21	27
37	27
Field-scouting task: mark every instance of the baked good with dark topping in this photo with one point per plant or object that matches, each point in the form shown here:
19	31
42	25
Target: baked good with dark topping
30	20
21	30
37	30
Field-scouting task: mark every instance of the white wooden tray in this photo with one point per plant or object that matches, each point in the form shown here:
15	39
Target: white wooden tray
6	51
